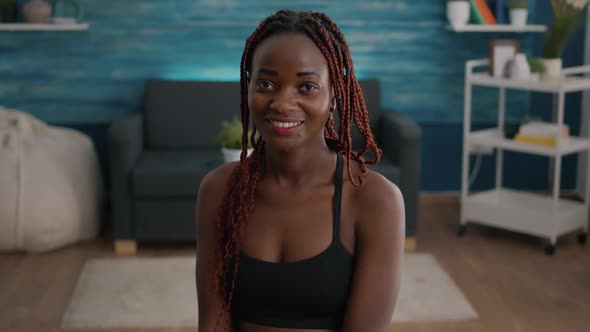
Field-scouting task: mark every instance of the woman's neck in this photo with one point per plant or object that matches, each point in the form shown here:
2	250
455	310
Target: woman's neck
299	167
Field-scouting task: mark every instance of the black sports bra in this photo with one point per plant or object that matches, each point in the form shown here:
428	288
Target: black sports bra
306	294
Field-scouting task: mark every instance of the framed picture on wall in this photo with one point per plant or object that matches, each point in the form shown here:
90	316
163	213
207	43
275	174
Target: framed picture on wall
501	51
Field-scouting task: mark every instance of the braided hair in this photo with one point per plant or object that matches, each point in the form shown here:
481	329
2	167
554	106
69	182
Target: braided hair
239	197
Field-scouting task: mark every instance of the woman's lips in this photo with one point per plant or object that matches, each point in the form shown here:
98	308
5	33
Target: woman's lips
284	127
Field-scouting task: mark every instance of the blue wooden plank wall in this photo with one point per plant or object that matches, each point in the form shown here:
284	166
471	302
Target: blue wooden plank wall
96	75
86	79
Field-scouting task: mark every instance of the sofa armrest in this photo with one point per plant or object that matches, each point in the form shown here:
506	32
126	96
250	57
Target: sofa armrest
400	137
125	143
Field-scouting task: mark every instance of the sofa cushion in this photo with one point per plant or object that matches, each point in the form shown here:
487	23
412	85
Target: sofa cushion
165	219
188	114
172	173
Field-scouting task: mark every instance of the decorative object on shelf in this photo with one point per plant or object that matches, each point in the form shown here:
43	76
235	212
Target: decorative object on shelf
552	68
519	12
518	68
7	11
565	20
458	13
499	11
510	130
481	12
64	16
37	11
542	133
230	139
501	51
537	68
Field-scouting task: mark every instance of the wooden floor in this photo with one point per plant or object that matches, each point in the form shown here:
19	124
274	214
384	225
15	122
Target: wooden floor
508	279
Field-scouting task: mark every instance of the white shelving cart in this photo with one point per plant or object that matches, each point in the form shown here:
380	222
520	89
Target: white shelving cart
547	216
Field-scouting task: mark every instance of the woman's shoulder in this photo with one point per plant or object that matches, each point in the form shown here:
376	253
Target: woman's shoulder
216	181
376	195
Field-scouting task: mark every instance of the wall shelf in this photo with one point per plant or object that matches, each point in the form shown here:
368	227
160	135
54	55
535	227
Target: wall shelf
44	27
498	28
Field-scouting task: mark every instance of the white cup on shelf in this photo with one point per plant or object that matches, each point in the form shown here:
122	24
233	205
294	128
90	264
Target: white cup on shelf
458	13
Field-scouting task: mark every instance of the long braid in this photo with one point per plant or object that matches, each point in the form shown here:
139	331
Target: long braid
239	198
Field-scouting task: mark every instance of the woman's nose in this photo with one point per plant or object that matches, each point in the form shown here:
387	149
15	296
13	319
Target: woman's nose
283	102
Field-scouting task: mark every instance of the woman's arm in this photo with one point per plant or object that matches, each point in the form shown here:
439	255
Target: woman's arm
380	233
209	198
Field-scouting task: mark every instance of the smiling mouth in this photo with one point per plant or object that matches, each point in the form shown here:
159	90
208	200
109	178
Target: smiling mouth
285	124
285	128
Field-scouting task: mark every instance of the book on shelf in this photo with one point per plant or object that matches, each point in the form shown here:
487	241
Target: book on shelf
542	133
499	7
481	12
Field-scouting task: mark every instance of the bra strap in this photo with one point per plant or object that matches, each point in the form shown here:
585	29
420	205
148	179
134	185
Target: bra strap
337	200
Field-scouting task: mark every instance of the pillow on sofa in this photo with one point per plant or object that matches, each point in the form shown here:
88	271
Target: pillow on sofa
50	185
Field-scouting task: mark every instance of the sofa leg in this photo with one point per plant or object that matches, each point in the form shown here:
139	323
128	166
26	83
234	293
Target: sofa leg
410	244
125	247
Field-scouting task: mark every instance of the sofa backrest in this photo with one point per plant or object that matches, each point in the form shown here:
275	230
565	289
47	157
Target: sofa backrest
372	93
188	114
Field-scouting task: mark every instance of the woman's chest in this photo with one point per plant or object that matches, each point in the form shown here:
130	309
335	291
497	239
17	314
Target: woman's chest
291	226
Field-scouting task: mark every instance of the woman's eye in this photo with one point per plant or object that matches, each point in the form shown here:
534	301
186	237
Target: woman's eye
264	85
308	87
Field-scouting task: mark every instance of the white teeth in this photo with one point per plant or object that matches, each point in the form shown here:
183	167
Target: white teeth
284	124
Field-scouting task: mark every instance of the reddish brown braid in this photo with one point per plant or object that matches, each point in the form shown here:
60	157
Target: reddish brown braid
239	197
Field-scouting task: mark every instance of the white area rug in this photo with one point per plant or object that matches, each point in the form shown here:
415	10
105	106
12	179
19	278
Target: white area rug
160	292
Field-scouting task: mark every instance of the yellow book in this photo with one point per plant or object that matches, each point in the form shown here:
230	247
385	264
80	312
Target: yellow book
539	140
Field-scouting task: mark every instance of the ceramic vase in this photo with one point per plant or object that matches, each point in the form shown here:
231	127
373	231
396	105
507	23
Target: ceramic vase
519	68
518	16
552	69
37	11
458	13
230	155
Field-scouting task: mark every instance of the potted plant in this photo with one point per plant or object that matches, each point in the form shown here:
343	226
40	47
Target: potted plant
518	11
457	13
565	20
7	11
230	139
537	68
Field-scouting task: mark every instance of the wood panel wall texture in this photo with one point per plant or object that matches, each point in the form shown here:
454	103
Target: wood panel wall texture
95	76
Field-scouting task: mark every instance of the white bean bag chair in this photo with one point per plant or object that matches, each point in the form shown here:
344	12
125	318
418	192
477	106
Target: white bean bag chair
51	190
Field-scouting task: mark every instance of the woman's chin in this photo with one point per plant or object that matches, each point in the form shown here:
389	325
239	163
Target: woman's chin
281	147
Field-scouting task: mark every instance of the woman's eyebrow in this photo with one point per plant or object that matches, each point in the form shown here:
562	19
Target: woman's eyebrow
307	73
299	74
268	71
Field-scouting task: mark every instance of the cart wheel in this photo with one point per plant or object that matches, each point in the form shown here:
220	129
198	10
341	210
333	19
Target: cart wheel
549	249
461	230
582	238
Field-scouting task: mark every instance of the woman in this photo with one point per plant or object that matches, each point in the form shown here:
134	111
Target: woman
299	235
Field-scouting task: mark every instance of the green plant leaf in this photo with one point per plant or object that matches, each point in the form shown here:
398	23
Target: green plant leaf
230	135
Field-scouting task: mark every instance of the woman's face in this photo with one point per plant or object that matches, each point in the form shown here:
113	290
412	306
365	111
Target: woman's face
289	91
